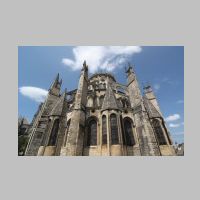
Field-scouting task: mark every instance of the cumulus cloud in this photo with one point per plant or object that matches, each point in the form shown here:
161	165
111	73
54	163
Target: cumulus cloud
173	117
100	57
34	93
174	125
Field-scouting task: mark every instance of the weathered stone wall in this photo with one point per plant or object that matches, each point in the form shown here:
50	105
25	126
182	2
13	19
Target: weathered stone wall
95	97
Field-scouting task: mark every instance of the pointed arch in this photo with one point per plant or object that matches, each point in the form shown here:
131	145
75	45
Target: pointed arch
128	131
92	132
96	101
101	100
54	133
114	129
104	129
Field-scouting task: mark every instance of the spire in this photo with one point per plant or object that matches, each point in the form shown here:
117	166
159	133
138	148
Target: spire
56	81
151	102
57	77
56	85
110	101
85	66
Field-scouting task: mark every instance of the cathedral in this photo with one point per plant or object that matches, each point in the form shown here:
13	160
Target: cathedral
100	118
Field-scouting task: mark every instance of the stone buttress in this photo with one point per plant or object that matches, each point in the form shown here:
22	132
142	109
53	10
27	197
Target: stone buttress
75	137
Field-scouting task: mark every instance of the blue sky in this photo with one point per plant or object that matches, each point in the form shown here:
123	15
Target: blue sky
160	66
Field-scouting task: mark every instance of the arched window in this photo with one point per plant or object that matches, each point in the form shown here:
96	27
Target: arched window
54	133
96	102
92	133
159	132
114	129
127	103
104	130
129	137
101	100
123	103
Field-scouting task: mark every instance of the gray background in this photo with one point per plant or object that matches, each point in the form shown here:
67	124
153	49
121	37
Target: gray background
91	22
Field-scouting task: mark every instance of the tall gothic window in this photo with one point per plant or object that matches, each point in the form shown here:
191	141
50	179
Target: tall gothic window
104	130
101	100
92	133
114	129
122	128
159	132
130	141
54	133
96	102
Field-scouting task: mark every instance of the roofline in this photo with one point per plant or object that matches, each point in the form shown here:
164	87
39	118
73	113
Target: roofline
103	74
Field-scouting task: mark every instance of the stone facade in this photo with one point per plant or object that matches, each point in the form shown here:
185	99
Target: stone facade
100	118
23	135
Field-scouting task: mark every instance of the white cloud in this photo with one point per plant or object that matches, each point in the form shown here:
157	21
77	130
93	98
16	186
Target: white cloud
173	117
174	125
100	57
156	87
34	93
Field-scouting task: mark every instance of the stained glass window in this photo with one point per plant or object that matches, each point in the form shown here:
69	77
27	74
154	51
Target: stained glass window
114	129
130	141
92	133
101	100
104	130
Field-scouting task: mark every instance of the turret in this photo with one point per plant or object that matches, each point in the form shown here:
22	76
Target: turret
149	94
130	73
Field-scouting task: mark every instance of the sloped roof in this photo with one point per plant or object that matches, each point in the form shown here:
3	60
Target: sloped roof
102	74
110	101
